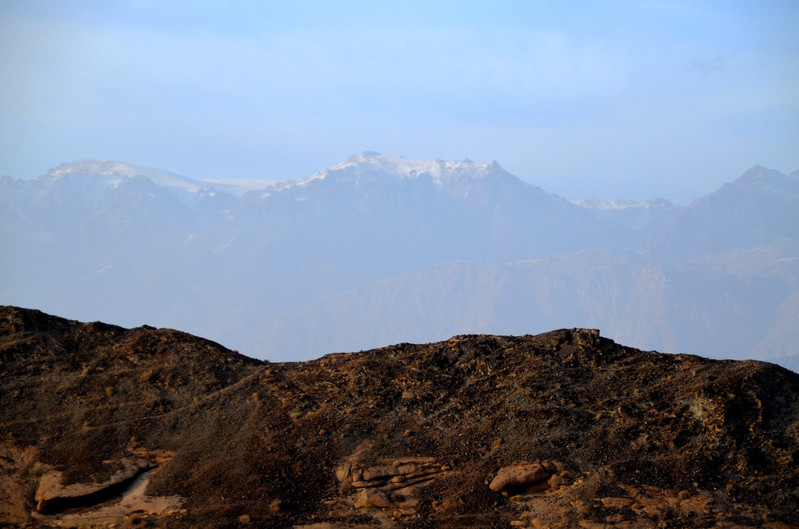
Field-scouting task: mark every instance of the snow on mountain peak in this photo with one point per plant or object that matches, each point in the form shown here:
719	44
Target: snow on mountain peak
623	204
439	171
403	167
479	182
104	174
113	173
96	167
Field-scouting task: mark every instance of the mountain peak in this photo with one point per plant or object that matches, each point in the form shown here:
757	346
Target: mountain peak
412	168
762	179
758	172
110	173
99	167
457	177
113	173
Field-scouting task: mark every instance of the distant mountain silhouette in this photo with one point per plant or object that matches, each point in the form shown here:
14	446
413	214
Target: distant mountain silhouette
379	249
760	206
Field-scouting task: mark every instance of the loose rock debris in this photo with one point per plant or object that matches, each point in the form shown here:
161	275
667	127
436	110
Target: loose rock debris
107	426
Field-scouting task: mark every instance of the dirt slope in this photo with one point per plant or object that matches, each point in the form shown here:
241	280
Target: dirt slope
101	425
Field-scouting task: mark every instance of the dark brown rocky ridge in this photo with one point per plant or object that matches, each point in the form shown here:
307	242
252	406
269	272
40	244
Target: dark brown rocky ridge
563	429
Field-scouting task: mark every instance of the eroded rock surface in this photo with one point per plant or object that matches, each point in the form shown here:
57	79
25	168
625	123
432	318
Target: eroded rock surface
527	477
387	491
52	495
561	430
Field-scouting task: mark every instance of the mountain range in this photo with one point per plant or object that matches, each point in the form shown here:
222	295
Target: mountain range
381	249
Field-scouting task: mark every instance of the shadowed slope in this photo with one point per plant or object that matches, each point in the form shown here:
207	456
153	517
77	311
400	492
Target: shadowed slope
563	429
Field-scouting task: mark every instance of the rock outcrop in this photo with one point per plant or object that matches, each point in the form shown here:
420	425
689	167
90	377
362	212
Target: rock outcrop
52	495
530	478
102	425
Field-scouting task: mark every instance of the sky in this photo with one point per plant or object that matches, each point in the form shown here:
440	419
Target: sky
615	99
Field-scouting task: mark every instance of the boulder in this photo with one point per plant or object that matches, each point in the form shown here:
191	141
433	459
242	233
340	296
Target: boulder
522	475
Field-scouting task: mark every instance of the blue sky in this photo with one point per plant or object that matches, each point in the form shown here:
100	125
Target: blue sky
616	99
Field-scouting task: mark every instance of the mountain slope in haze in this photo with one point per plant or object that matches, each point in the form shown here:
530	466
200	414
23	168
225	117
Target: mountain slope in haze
761	205
629	216
637	299
254	258
153	427
291	270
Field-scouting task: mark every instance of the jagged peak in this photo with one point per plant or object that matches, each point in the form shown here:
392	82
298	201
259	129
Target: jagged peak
450	174
414	168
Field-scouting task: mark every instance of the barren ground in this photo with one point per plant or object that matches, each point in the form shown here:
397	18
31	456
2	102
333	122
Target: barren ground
103	426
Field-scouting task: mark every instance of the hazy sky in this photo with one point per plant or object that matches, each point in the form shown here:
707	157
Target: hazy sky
615	99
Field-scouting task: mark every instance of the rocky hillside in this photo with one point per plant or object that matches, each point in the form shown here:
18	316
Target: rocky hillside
105	426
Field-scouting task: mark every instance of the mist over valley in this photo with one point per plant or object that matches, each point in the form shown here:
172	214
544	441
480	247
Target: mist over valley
382	249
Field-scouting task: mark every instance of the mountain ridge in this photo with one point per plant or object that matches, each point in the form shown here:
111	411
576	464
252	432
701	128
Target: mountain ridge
398	165
562	429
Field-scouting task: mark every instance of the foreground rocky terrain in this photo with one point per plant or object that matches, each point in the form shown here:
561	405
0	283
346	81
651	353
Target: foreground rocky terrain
104	426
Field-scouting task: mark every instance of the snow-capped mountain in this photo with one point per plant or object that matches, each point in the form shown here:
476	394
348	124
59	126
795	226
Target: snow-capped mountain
110	173
476	182
439	172
94	177
619	205
380	247
628	213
